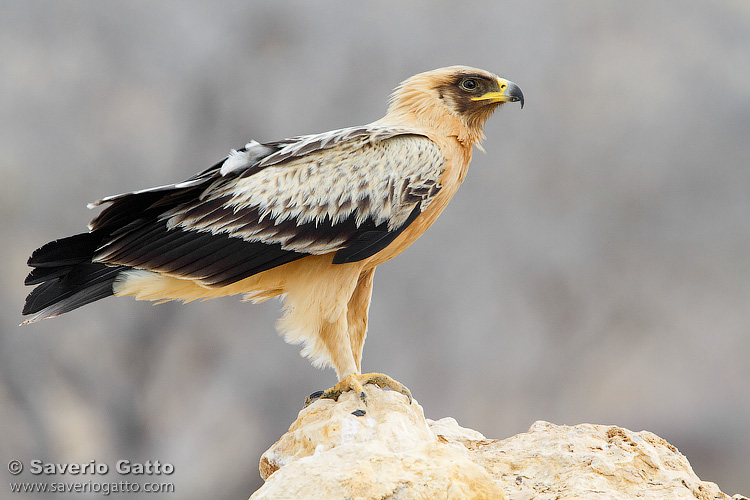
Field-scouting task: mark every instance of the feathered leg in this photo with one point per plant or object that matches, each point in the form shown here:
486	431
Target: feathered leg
356	323
357	313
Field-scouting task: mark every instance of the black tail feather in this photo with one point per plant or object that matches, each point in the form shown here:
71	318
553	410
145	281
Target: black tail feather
41	274
66	251
66	277
64	273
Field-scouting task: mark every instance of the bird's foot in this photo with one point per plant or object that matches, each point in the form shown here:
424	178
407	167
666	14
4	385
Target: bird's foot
356	382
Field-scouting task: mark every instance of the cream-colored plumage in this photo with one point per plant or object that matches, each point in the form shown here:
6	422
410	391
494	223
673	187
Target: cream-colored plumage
308	219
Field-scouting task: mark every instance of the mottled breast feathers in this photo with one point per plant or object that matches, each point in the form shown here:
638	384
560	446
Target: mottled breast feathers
350	191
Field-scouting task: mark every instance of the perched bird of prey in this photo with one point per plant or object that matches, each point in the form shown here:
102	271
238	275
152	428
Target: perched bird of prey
307	219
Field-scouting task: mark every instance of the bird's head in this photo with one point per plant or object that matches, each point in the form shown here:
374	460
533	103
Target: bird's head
454	97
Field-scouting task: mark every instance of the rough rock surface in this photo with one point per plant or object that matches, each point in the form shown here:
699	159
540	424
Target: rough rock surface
333	451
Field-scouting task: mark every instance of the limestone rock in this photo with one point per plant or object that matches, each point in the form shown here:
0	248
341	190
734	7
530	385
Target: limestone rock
335	451
590	461
389	452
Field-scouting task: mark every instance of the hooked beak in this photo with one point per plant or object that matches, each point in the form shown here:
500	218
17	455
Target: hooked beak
509	92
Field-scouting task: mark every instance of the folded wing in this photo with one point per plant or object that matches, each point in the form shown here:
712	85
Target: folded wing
350	191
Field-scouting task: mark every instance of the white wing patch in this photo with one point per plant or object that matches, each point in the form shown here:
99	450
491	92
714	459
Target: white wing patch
249	156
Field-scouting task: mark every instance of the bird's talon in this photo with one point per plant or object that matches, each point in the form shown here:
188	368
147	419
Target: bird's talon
312	398
356	383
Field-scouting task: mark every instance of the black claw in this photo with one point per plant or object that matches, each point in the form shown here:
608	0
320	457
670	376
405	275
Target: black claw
315	395
359	413
363	396
312	398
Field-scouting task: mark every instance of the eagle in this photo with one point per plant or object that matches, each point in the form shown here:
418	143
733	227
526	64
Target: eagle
307	219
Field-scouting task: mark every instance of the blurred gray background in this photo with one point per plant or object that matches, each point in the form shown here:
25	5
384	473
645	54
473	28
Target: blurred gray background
594	267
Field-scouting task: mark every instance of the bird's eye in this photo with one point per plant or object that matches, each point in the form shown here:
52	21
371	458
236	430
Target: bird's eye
469	84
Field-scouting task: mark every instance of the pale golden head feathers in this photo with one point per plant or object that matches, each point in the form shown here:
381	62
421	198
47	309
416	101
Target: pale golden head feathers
457	100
